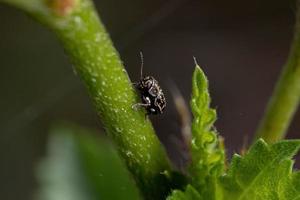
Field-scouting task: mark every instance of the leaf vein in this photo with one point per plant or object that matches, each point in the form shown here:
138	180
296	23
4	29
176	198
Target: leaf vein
249	188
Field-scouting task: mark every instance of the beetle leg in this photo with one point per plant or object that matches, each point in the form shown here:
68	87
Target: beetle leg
135	106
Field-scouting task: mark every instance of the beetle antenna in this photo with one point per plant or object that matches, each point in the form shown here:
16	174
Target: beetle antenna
142	63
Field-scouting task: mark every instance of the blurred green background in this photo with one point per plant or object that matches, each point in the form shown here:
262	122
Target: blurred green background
241	45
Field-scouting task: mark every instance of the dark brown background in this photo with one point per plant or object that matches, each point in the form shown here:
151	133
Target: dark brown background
241	46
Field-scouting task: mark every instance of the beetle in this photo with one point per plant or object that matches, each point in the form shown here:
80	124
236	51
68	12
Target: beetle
152	96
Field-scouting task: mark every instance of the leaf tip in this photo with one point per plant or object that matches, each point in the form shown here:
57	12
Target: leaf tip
197	66
261	141
195	61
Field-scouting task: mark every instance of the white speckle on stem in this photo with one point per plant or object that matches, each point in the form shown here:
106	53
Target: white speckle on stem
143	138
77	20
129	153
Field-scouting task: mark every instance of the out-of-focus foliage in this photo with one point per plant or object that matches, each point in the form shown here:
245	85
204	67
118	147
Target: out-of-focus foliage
81	166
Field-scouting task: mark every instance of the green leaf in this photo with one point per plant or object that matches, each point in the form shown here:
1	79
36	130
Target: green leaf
189	194
264	173
207	150
80	166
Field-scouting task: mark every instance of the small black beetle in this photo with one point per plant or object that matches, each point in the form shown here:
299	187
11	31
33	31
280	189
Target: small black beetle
153	98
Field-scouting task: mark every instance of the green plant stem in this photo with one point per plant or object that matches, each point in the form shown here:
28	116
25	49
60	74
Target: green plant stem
96	61
285	99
